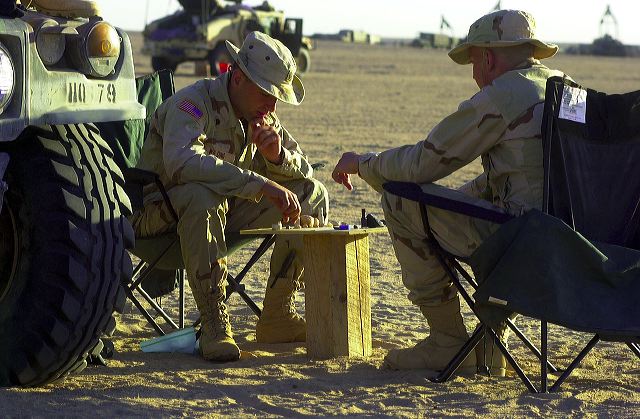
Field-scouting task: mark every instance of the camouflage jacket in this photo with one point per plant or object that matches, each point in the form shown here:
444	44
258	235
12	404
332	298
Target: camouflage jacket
501	123
194	136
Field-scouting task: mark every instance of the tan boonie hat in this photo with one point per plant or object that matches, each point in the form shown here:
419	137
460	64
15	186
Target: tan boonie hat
270	65
503	28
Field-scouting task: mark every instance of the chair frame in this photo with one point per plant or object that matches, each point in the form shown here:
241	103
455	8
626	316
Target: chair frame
454	270
139	178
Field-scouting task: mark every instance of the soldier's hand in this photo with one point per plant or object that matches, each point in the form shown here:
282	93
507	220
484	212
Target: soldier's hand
285	200
268	141
347	166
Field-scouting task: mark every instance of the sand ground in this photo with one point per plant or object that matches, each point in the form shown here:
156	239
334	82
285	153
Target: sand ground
362	98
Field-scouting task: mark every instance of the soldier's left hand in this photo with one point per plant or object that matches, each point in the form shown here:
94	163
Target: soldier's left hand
267	139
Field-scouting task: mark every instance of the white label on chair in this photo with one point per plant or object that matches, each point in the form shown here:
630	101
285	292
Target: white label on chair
574	104
498	301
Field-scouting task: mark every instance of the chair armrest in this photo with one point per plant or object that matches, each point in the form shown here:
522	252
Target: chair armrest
447	199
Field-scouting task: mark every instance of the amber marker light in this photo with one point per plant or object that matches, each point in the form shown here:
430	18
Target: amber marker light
103	41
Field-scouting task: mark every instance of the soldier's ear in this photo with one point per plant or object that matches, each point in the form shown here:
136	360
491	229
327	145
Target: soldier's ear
236	75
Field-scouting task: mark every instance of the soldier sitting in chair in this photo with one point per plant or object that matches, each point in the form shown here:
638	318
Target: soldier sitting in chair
229	164
501	123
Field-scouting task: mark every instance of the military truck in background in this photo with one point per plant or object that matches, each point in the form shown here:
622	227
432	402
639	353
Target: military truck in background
63	229
358	37
199	31
438	40
434	40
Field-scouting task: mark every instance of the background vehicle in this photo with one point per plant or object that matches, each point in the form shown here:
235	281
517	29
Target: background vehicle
197	33
63	231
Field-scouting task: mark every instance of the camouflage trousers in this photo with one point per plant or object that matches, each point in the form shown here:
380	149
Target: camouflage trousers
422	274
205	217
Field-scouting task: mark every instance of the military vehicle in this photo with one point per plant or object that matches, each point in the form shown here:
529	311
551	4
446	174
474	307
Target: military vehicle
438	40
63	229
198	33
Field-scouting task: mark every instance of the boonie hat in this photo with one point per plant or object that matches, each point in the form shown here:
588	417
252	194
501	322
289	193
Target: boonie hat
503	28
270	65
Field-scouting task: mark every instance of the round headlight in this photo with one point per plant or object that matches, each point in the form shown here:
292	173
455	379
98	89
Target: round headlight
7	78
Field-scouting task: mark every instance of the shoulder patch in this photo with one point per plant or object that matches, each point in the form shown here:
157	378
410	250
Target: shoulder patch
190	108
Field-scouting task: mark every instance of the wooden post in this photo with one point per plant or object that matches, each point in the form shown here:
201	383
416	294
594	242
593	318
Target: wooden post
337	295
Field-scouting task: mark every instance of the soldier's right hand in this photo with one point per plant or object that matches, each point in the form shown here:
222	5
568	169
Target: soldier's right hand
285	200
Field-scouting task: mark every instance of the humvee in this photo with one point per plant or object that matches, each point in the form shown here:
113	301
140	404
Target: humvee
198	33
63	231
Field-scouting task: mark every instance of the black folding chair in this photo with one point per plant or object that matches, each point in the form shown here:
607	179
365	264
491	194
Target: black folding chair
161	267
590	177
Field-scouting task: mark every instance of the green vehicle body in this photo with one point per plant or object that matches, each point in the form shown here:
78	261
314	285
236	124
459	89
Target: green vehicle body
63	225
199	34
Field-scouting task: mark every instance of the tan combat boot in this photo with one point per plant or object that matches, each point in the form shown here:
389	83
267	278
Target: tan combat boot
216	339
447	335
65	8
279	322
489	357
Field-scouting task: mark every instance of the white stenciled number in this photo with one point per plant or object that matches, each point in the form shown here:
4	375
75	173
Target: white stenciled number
76	93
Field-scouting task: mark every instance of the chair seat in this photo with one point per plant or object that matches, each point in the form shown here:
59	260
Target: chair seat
149	248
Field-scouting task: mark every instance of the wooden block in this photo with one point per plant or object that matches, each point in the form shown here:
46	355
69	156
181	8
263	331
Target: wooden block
337	295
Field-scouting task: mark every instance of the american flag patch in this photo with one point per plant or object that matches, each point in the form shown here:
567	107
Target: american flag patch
188	107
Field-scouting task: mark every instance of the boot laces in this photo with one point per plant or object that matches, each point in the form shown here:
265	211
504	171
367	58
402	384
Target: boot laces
222	325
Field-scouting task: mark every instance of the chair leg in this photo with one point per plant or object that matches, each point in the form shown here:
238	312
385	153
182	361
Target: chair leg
141	271
529	344
513	362
235	282
574	363
143	310
466	349
544	362
157	308
240	289
180	274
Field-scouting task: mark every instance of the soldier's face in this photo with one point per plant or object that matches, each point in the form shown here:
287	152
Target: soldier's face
479	61
253	101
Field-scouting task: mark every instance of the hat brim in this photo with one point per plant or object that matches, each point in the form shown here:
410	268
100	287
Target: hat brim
460	54
292	94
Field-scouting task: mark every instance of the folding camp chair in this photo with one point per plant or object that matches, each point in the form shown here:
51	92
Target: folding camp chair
591	145
160	256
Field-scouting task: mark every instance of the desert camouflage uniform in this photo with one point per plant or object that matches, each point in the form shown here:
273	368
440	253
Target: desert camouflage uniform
502	124
213	173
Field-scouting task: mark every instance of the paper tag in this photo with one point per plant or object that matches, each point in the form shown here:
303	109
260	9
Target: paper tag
574	104
497	301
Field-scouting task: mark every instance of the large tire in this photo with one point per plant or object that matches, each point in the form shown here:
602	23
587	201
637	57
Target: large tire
303	61
64	238
162	63
219	60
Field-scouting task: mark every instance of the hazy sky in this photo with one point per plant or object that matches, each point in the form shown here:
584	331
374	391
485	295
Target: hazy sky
557	20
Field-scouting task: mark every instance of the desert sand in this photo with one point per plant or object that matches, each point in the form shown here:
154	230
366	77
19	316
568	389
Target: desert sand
361	98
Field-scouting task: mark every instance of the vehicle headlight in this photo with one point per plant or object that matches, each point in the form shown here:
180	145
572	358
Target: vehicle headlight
97	52
7	78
